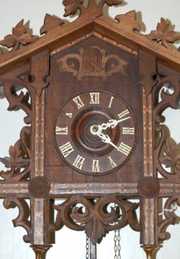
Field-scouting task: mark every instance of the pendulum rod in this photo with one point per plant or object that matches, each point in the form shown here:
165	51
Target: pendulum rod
91	249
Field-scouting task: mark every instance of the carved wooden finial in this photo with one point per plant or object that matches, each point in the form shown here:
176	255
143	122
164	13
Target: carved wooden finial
132	21
151	251
40	251
73	6
51	22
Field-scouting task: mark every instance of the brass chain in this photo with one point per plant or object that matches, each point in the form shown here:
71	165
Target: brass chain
87	248
117	244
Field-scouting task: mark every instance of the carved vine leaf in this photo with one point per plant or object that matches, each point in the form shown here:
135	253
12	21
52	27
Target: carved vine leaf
73	6
51	22
132	21
96	217
169	217
21	35
18	161
165	34
22	219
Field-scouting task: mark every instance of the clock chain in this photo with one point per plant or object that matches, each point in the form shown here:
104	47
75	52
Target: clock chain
91	249
117	244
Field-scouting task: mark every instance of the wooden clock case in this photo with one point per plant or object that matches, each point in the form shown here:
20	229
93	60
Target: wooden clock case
40	74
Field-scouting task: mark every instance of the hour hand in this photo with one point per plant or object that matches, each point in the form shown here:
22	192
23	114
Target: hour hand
111	123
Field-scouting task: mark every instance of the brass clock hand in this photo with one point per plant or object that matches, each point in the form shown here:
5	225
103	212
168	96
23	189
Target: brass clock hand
104	137
111	123
107	139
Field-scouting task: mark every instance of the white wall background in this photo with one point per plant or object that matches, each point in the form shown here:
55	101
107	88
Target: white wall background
71	244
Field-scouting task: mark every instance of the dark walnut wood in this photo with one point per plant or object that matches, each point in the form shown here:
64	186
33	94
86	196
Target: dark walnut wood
75	77
87	75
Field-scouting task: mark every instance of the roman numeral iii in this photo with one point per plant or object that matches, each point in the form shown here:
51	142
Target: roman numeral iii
128	131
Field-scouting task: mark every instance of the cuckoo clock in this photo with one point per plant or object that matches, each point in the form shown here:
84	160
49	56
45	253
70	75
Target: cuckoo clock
94	92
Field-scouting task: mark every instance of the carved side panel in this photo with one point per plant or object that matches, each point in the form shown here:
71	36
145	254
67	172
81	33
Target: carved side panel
18	92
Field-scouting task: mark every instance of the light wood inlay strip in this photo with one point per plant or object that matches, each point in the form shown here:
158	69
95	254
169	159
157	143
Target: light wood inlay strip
19	188
148	133
149	221
38	219
93	188
39	135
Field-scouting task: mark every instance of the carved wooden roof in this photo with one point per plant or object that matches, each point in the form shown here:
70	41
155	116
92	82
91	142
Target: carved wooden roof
55	32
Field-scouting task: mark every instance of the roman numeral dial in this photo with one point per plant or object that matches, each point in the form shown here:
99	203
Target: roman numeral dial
95	133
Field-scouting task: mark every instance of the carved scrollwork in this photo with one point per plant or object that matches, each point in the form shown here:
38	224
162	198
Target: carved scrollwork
17	98
18	95
19	160
96	216
22	219
170	218
167	151
21	35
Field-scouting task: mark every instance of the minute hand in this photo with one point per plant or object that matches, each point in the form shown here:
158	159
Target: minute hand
112	123
106	139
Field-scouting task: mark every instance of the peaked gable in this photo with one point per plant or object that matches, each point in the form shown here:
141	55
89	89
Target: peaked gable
128	28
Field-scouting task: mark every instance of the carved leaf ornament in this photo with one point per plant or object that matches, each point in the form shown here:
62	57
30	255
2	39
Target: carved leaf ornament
18	161
165	34
21	35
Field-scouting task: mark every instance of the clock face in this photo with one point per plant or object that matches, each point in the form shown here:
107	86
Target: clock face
95	132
